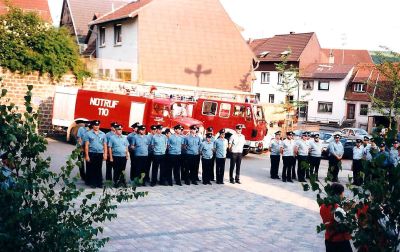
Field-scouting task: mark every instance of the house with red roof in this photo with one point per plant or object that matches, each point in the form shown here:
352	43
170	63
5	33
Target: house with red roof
40	7
76	15
174	42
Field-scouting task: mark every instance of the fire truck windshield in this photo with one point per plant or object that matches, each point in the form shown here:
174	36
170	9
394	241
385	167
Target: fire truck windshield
259	113
179	109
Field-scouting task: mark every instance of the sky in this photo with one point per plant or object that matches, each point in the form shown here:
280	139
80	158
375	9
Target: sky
350	24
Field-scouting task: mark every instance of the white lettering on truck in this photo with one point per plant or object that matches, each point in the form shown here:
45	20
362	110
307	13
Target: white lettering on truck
104	103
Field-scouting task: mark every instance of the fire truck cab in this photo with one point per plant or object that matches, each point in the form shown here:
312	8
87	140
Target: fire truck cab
71	104
221	114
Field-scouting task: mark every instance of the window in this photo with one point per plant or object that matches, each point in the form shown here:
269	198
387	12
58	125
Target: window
102	36
224	110
289	98
308	85
271	98
123	74
106	73
209	108
248	113
280	78
265	77
359	87
325	107
323	85
117	34
259	113
364	109
238	110
100	73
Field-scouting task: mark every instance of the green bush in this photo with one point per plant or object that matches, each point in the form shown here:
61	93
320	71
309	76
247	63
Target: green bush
45	211
28	44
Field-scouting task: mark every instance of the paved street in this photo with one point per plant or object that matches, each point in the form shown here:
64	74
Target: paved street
261	214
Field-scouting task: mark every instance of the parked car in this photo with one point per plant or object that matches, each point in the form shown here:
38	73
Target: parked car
354	133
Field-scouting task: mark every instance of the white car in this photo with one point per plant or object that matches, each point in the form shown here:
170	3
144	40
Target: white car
354	133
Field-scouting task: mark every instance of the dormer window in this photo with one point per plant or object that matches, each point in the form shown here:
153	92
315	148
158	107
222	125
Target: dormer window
287	52
359	87
263	54
117	34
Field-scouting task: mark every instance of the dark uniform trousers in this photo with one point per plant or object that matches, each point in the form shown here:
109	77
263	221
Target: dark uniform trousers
81	159
184	168
333	169
212	178
175	166
275	160
206	165
236	160
342	246
133	173
158	162
94	174
191	171
119	166
288	163
197	165
293	167
357	167
148	166
314	165
140	165
109	168
301	167
220	169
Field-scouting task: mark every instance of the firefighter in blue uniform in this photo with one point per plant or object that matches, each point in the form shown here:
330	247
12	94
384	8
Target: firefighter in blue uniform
207	151
83	128
159	146
175	142
130	137
220	146
109	164
141	143
119	154
192	146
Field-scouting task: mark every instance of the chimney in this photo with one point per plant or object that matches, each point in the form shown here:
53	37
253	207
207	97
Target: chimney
331	57
292	32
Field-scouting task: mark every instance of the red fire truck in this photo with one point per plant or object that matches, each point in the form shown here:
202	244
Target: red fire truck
72	104
227	114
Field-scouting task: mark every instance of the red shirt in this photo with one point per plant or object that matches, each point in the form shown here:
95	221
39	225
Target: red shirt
329	220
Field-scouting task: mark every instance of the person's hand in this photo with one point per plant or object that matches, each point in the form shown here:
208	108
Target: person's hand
111	159
87	159
104	157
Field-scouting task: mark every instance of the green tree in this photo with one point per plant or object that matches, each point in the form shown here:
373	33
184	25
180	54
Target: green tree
28	44
45	211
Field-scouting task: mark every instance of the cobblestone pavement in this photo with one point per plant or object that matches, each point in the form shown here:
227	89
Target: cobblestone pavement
261	214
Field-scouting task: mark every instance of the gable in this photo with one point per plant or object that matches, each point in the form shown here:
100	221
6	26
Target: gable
41	7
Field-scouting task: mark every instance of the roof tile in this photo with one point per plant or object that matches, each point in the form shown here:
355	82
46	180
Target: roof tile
39	6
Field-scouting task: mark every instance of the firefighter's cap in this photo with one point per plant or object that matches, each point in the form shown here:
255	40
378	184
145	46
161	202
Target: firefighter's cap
208	135
117	126
240	126
114	124
81	121
289	133
153	127
222	131
382	145
366	138
142	127
176	127
193	127
159	127
95	123
209	129
395	142
135	125
166	131
359	141
278	132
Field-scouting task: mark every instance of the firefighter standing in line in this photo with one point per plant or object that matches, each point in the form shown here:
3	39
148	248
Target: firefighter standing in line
288	159
301	150
220	146
236	144
109	164
159	145
207	151
95	153
167	169
275	155
315	155
197	159
141	143
336	152
358	151
175	142
150	156
83	128
130	137
119	154
210	131
192	145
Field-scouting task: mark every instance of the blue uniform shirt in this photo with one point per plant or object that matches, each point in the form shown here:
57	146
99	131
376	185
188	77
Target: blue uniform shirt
207	149
9	180
118	144
275	147
159	144
336	148
141	143
220	146
96	141
315	148
358	152
81	133
385	157
393	154
192	144
109	135
150	137
175	144
131	136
